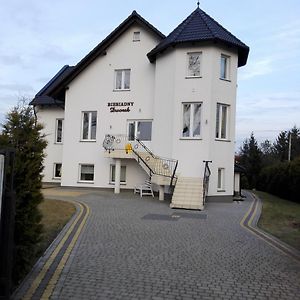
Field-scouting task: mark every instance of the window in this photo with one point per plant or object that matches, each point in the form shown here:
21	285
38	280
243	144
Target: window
221	172
222	121
112	176
191	120
59	131
86	172
122	79
136	36
142	130
89	125
57	171
194	64
224	70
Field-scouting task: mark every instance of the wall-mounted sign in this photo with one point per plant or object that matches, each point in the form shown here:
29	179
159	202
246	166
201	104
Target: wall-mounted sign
119	106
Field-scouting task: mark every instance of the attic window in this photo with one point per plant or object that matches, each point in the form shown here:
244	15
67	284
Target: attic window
136	36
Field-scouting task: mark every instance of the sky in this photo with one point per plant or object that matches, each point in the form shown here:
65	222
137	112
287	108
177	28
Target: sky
38	37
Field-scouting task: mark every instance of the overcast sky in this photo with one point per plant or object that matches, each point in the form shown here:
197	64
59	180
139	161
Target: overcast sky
38	37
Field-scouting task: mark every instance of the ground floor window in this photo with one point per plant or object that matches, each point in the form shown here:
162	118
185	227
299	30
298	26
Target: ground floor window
57	171
86	172
112	176
221	179
141	129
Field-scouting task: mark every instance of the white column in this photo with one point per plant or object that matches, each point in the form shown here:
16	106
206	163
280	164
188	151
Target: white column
161	193
117	176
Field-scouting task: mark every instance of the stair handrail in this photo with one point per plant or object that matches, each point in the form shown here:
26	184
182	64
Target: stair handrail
206	176
140	158
120	142
145	147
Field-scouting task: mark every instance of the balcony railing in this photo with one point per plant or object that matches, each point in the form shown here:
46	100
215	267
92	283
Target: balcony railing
156	165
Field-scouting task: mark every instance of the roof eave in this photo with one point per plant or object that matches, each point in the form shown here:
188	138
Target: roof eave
101	48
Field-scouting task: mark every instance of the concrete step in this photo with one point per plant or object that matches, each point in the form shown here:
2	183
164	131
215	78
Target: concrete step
188	193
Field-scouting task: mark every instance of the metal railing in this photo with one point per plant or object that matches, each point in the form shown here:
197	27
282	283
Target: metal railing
155	164
206	176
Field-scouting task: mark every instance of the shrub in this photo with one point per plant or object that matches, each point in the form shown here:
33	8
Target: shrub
282	179
23	134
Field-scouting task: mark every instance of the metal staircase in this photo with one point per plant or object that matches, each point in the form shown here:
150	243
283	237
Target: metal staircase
161	170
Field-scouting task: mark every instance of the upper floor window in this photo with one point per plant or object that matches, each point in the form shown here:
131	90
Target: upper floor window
142	130
224	68
136	36
59	131
191	120
122	79
89	125
222	121
194	60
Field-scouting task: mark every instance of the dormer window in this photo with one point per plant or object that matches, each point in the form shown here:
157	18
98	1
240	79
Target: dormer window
136	36
193	68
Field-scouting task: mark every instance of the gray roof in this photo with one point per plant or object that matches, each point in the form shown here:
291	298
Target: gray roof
44	97
200	27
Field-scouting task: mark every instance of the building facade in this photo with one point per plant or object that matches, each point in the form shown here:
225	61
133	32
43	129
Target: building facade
142	104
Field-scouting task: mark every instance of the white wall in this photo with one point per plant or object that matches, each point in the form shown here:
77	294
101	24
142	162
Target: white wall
173	88
157	91
47	116
92	90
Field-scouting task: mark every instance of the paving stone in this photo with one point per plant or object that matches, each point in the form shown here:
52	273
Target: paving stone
120	255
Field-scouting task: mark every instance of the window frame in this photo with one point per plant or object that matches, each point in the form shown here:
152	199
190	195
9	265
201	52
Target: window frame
111	181
79	173
136	36
191	137
221	179
188	75
219	123
123	72
54	171
90	115
56	130
227	67
136	128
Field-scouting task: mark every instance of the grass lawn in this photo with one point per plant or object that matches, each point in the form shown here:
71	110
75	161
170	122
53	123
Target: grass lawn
56	214
281	218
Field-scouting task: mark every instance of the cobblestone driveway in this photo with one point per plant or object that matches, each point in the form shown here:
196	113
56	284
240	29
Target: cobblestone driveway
121	255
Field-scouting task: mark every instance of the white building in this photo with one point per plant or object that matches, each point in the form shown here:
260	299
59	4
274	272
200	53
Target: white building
140	96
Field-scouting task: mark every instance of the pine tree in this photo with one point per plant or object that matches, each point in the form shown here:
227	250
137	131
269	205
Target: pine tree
250	158
281	146
22	133
295	142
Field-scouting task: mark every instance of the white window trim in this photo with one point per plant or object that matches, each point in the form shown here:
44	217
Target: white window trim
54	169
79	173
222	187
187	64
62	131
135	126
122	80
134	39
227	138
110	173
191	121
89	127
227	70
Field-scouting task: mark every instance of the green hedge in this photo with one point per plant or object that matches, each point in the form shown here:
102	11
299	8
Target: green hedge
282	179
